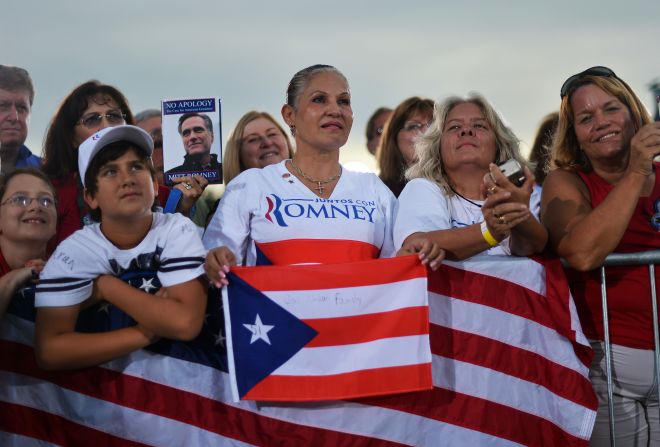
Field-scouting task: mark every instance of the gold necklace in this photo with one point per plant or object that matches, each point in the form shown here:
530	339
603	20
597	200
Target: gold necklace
319	183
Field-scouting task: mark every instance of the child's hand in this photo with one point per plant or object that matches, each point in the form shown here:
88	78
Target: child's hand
37	265
98	287
217	265
18	278
149	335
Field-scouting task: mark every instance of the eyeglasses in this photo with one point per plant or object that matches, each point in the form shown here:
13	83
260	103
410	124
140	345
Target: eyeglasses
571	83
94	120
156	133
414	126
23	201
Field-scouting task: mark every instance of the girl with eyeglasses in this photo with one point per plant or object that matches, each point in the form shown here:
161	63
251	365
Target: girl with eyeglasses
27	222
89	108
396	151
603	196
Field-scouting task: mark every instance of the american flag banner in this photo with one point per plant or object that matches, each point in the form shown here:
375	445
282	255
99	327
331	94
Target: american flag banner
509	365
328	332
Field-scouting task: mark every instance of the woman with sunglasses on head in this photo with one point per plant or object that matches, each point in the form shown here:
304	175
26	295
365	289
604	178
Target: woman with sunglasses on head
27	222
458	197
89	108
306	209
396	151
603	196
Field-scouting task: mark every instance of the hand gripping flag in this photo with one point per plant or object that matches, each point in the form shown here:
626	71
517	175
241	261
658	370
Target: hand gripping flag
327	332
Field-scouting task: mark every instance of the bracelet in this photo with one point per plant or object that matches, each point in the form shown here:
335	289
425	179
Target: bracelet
488	237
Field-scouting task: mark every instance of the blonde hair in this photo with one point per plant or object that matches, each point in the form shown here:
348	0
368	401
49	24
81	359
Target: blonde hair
429	159
231	160
566	151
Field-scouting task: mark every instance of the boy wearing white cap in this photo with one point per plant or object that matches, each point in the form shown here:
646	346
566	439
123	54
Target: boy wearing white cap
120	262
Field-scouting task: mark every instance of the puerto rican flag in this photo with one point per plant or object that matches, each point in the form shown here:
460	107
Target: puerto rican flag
510	368
328	332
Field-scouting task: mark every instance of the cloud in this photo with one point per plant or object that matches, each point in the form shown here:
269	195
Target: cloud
517	53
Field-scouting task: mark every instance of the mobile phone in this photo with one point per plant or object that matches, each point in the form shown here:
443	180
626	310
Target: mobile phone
513	171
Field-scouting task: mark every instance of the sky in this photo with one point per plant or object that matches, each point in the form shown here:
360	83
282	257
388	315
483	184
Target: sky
517	53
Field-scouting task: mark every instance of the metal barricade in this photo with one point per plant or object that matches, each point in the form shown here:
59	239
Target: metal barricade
649	258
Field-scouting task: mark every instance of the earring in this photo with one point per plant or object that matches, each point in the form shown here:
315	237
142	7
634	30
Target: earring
292	128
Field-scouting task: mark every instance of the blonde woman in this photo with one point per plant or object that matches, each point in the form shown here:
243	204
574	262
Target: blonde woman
256	142
457	196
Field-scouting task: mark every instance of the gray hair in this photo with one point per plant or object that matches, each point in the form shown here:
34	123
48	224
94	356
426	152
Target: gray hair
300	80
16	78
146	114
429	160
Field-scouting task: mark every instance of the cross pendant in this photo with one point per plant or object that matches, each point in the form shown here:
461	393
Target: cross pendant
319	187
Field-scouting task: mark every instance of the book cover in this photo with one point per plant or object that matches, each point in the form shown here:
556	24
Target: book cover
192	138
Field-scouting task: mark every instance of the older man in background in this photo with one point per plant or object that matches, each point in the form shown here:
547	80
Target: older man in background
16	97
152	122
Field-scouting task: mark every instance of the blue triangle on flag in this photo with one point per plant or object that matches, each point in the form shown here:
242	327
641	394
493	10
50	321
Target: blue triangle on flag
262	259
264	334
22	303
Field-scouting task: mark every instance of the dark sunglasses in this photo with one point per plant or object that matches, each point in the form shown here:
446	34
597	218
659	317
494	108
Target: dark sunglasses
571	83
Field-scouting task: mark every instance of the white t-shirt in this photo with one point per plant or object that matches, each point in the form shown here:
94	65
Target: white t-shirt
266	216
172	252
423	207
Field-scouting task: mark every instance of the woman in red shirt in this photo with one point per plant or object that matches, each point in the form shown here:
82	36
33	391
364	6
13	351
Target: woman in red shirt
603	196
89	108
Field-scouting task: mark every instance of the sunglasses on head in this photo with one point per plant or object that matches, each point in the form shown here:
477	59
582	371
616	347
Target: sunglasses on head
572	82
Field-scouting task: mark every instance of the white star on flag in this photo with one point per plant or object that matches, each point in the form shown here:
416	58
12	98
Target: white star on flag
104	307
147	285
259	330
220	339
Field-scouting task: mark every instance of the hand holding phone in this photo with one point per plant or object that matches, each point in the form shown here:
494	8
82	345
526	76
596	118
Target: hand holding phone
513	171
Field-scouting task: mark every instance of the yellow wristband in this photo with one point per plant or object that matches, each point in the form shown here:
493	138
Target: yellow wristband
485	232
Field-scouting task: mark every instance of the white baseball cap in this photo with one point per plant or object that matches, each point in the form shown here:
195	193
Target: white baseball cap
92	145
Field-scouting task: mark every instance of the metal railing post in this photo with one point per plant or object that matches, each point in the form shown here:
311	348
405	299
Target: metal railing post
656	338
649	258
608	354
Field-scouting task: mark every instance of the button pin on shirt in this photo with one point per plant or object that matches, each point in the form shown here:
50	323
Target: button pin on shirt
288	176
